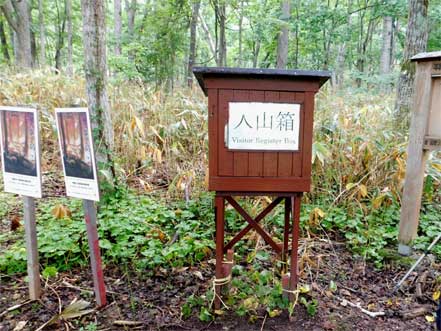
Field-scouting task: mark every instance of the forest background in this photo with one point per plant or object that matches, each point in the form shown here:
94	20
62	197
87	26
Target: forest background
154	161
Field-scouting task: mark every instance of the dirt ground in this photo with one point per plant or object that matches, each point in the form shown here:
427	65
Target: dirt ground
138	302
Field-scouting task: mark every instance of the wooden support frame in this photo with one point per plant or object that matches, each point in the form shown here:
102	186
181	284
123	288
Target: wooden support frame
292	213
425	118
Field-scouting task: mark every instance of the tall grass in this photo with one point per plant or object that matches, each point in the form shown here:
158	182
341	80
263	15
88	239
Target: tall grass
161	139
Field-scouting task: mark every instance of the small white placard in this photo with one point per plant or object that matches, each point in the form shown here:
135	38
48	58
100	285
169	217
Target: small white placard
77	153
20	151
263	126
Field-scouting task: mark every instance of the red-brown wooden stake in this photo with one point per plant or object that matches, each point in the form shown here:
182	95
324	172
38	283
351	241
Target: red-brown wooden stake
94	250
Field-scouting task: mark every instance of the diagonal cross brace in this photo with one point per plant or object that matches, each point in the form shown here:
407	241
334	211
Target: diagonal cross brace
253	223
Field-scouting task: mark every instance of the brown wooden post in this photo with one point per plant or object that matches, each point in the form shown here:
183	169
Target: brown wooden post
416	153
94	250
32	248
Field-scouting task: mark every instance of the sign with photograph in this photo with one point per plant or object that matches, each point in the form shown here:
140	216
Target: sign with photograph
77	153
263	126
20	151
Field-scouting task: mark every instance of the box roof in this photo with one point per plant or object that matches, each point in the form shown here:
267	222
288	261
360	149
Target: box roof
223	72
427	56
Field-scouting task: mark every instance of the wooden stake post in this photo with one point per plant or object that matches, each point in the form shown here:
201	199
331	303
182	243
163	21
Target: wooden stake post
94	250
425	136
32	248
260	144
85	187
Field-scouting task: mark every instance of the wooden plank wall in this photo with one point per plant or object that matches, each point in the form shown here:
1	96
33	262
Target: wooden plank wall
256	164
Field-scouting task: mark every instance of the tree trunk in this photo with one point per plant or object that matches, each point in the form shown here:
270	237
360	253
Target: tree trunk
208	37
192	51
386	49
60	38
256	52
69	38
342	50
222	47
4	43
416	42
21	24
240	55
131	12
42	33
118	26
283	39
95	62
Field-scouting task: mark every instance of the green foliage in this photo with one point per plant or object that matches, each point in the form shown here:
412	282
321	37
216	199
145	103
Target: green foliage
132	229
49	271
311	306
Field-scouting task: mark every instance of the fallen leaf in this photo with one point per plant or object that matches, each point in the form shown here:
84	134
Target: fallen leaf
61	211
15	223
219	312
20	325
75	309
198	274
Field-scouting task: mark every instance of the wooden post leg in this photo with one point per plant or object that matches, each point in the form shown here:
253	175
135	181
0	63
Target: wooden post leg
95	255
286	233
228	263
295	204
32	248
220	210
411	201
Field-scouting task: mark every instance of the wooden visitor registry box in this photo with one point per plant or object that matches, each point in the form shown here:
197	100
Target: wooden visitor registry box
431	62
260	128
260	124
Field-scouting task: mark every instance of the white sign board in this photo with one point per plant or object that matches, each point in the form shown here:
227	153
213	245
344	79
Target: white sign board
77	153
20	151
263	126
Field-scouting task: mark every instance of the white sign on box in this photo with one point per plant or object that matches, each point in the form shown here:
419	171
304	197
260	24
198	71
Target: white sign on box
20	151
263	126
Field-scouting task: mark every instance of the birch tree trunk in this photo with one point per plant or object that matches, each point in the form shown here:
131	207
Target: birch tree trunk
21	24
416	42
95	62
131	12
222	48
386	49
283	39
61	29
118	26
69	38
42	33
208	37
192	51
240	55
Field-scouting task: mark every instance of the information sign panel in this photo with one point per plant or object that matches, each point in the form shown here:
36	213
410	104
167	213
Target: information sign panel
20	151
77	153
263	126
